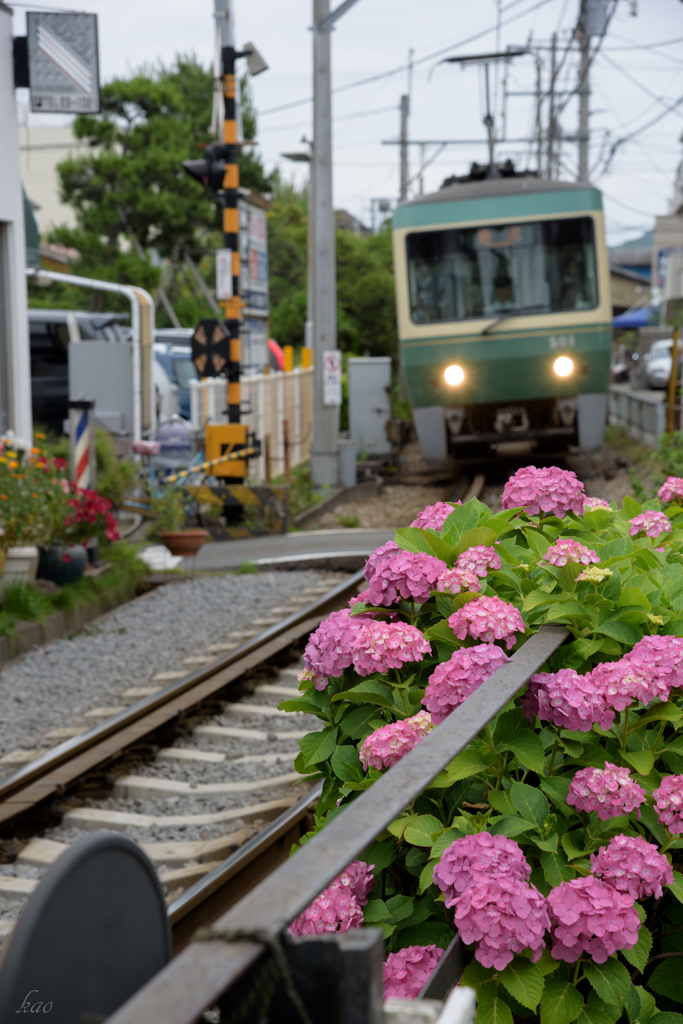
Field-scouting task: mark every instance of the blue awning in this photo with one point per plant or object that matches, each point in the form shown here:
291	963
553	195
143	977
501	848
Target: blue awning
633	318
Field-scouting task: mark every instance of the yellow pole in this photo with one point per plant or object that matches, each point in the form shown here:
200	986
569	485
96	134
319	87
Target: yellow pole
672	382
289	358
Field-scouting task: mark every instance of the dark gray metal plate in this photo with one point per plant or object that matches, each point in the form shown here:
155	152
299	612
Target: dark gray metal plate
93	932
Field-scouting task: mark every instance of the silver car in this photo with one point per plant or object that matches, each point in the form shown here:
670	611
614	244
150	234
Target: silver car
658	364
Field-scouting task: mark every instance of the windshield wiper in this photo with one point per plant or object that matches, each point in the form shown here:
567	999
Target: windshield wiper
506	316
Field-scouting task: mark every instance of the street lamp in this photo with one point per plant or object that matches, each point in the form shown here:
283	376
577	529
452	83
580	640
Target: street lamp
303	153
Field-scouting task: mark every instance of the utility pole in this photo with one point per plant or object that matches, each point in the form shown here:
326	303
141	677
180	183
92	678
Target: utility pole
405	110
539	121
551	111
583	90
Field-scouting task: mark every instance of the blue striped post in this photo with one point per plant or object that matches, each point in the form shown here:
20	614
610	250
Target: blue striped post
82	442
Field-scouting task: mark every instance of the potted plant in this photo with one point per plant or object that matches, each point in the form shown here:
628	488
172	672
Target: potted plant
88	518
170	513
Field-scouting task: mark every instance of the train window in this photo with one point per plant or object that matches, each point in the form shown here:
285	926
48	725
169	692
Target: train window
541	266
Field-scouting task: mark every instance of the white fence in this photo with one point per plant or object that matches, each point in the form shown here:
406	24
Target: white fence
277	407
642	414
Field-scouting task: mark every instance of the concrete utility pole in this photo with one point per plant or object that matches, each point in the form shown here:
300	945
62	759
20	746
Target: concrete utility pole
583	90
551	112
405	110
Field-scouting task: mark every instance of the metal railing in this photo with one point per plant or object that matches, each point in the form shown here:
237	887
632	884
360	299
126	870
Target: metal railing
206	970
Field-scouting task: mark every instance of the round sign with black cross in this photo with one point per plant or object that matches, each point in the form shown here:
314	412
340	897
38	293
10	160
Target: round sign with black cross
210	348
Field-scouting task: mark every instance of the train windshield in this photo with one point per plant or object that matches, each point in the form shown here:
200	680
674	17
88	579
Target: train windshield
541	267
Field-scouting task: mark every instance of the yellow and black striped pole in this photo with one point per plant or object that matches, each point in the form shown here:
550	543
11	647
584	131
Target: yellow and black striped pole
231	228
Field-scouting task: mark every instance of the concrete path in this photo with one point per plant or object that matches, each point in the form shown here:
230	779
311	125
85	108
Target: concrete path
331	549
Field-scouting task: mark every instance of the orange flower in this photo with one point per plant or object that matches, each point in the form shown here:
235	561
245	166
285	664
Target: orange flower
13	464
41	436
35	451
4	497
33	494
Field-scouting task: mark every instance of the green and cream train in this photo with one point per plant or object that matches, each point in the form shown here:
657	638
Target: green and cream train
504	316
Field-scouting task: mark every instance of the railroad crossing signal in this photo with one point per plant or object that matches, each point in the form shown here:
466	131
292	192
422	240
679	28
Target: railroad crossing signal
210	348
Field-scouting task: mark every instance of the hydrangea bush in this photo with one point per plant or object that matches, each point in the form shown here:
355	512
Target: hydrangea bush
554	844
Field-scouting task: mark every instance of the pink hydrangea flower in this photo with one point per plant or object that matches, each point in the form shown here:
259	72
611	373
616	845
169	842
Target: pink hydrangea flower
331	648
454	580
477	858
407	972
635	677
487	619
610	791
671	489
591	917
339	907
654	523
379	646
669	803
664	653
503	916
633	866
479	559
434	516
568	700
563	551
401	574
592	503
388	744
454	680
550	490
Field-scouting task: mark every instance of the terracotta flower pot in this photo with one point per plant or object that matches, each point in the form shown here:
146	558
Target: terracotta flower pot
183	542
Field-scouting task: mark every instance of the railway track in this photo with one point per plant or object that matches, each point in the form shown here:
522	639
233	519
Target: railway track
197	767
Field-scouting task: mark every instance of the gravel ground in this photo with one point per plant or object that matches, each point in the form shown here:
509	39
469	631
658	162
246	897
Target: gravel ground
396	506
54	685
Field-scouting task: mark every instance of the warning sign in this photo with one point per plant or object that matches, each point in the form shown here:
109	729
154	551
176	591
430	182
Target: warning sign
332	378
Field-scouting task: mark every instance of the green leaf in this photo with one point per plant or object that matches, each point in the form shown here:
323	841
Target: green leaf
427	875
667	1017
370	691
570	841
535	599
593	1015
469	762
357	722
546	964
510	826
375	912
568	574
421	829
621	631
462	518
641	760
428	933
524	981
444	603
530	802
549	844
677	886
564	610
632	508
612	588
648	1005
560	1002
346	764
610	980
501	801
555	868
300	704
400	907
594	1005
495	1012
639	954
537	542
633	596
529	750
472	538
318	746
411	538
667	979
443	636
556	787
665	711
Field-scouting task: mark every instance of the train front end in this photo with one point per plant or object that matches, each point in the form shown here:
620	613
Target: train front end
504	317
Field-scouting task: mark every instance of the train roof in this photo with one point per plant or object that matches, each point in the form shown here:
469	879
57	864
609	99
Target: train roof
497	197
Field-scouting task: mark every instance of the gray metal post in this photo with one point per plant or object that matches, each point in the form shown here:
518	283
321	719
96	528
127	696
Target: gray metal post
584	92
308	329
324	458
403	192
551	113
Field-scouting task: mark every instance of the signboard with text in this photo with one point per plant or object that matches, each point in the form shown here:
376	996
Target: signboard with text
332	378
63	63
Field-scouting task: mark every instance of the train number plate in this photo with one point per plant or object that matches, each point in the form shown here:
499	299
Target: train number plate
561	341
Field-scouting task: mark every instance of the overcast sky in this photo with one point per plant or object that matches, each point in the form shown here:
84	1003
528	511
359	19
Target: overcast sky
637	74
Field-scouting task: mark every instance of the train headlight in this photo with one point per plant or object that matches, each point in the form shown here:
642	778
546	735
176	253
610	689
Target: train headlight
563	366
454	374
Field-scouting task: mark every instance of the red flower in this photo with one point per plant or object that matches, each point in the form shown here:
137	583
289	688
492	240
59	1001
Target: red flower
59	463
66	558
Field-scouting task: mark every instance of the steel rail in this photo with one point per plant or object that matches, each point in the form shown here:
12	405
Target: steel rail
53	771
199	976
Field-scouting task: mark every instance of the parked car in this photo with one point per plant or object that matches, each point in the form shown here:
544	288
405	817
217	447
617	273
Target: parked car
176	360
50	332
658	364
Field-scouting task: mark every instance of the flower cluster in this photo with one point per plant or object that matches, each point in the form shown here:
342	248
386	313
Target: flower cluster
669	803
434	516
633	866
331	648
594	575
610	791
671	489
475	858
564	551
479	559
340	906
406	973
503	916
454	580
590	916
589	504
388	744
89	516
636	677
454	680
393	574
653	523
550	490
568	700
380	646
487	619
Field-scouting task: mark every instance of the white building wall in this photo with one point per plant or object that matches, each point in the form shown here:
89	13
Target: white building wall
14	310
41	150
